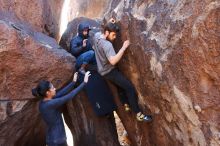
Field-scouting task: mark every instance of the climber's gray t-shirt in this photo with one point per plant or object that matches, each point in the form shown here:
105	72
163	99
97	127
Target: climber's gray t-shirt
103	50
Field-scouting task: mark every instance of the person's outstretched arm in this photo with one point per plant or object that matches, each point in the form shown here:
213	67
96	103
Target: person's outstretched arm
64	90
57	102
67	88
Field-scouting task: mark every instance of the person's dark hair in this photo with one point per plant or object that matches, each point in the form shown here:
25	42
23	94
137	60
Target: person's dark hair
111	27
41	89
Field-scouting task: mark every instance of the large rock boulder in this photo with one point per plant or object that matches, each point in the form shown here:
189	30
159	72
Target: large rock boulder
173	61
42	15
26	57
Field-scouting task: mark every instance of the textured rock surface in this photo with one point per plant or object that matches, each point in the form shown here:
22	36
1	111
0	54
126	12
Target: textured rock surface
93	9
25	58
174	63
88	8
42	15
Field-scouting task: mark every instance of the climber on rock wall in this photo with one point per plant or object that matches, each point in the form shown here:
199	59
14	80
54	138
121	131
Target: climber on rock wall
107	58
50	103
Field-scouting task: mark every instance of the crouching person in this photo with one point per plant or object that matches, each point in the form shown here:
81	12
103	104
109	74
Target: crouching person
81	48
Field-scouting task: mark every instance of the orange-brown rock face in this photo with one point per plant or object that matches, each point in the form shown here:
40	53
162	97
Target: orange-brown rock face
25	58
41	15
173	61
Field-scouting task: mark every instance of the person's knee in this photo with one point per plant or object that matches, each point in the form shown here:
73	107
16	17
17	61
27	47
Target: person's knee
86	57
91	53
88	54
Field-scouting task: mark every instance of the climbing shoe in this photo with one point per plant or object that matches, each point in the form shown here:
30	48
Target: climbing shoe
145	118
127	108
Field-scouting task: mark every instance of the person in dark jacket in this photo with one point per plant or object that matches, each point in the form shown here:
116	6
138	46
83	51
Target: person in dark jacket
50	104
81	48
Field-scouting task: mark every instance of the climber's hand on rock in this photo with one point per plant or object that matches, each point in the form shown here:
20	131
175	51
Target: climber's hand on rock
126	44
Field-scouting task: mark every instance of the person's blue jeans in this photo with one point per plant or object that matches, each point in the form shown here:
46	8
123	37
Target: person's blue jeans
85	58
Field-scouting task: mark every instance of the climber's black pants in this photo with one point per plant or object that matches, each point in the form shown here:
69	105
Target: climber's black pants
125	88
